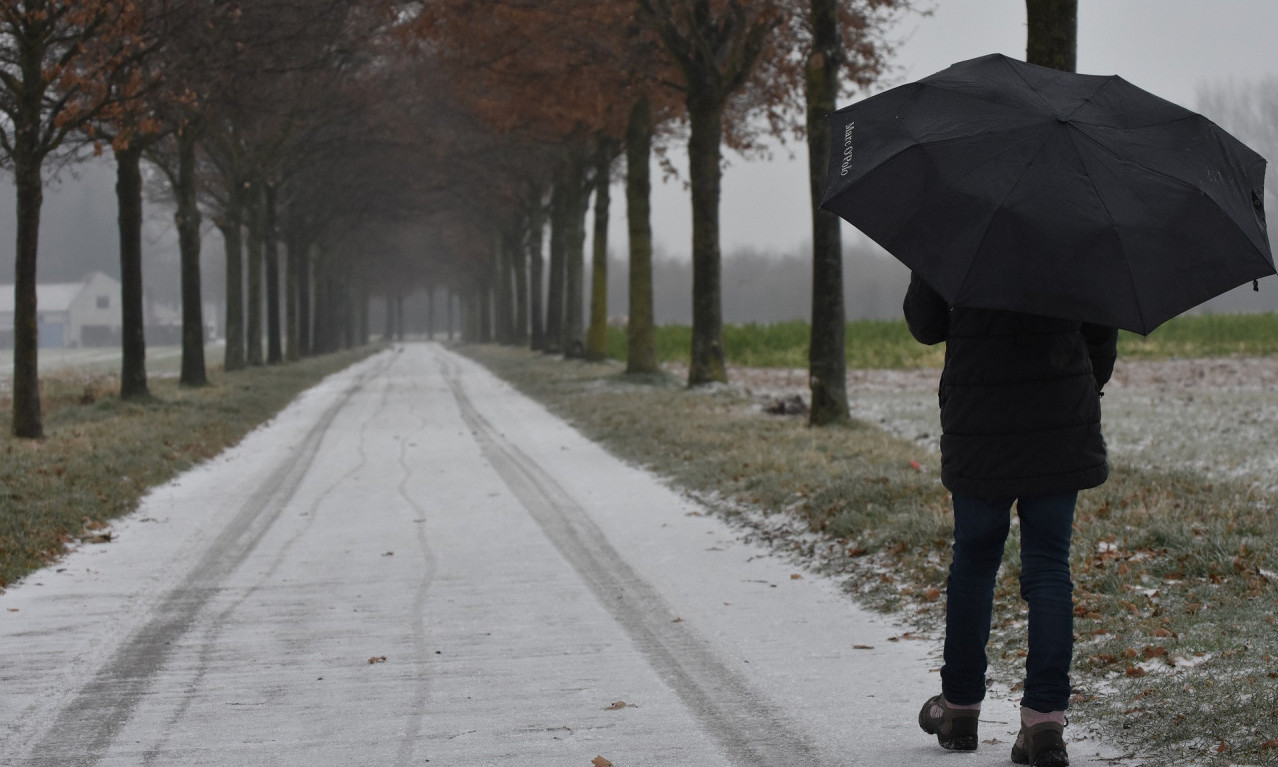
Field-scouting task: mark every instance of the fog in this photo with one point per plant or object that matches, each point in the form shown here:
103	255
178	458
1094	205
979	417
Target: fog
78	235
78	231
767	287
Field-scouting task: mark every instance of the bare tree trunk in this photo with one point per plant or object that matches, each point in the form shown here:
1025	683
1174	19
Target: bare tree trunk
327	314
1052	33
559	223
430	312
271	247
827	356
128	192
502	283
536	305
349	315
574	330
188	226
450	313
597	335
253	240
364	333
28	418
232	229
305	299
322	312
705	116
519	268
484	306
641	337
512	284
295	245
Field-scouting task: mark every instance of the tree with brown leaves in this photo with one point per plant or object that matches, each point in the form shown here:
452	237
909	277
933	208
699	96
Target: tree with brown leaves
844	45
737	61
53	54
132	123
715	44
508	56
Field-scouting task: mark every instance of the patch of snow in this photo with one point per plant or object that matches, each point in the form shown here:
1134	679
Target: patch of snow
1214	417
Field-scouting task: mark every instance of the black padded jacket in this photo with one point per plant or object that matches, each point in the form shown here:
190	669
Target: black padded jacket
1020	397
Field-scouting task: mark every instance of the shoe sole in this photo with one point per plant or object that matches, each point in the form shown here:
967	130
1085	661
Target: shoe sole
1049	759
963	737
957	742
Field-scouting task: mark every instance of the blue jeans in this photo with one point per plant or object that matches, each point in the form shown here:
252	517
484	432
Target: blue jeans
980	530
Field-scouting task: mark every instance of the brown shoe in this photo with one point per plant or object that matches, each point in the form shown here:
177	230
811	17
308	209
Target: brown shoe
954	728
1042	745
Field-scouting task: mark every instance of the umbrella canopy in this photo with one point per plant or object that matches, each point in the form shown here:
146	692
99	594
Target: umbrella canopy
1007	185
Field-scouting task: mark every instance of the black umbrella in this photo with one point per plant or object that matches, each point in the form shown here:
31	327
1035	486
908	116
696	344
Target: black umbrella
1007	185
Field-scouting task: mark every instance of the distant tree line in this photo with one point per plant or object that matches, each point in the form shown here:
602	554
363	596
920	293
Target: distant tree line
763	287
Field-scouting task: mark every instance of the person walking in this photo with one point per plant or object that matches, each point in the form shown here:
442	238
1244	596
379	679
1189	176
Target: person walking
1021	425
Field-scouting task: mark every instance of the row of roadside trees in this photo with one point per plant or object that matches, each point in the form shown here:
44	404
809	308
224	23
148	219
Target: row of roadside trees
576	88
351	149
287	124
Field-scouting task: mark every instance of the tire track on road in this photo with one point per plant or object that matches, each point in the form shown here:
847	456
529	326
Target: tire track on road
406	754
215	624
750	729
86	727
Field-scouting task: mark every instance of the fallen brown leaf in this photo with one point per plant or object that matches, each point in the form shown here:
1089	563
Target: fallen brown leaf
618	706
862	647
377	659
599	761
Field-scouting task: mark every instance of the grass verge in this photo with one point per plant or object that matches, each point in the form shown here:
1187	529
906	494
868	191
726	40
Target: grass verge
100	455
888	344
1176	597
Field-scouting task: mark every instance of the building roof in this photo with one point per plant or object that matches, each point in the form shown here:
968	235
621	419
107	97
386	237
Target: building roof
50	297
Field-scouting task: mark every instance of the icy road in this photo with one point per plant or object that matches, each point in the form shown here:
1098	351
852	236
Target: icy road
413	564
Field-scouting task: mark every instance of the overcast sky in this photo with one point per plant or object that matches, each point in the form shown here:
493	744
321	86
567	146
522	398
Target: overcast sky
1170	47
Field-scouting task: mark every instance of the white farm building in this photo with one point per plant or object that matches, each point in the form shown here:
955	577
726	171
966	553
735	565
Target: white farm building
84	313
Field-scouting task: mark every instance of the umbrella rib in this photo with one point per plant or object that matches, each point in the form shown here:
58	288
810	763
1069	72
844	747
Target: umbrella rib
1140	310
1162	174
989	223
1038	95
